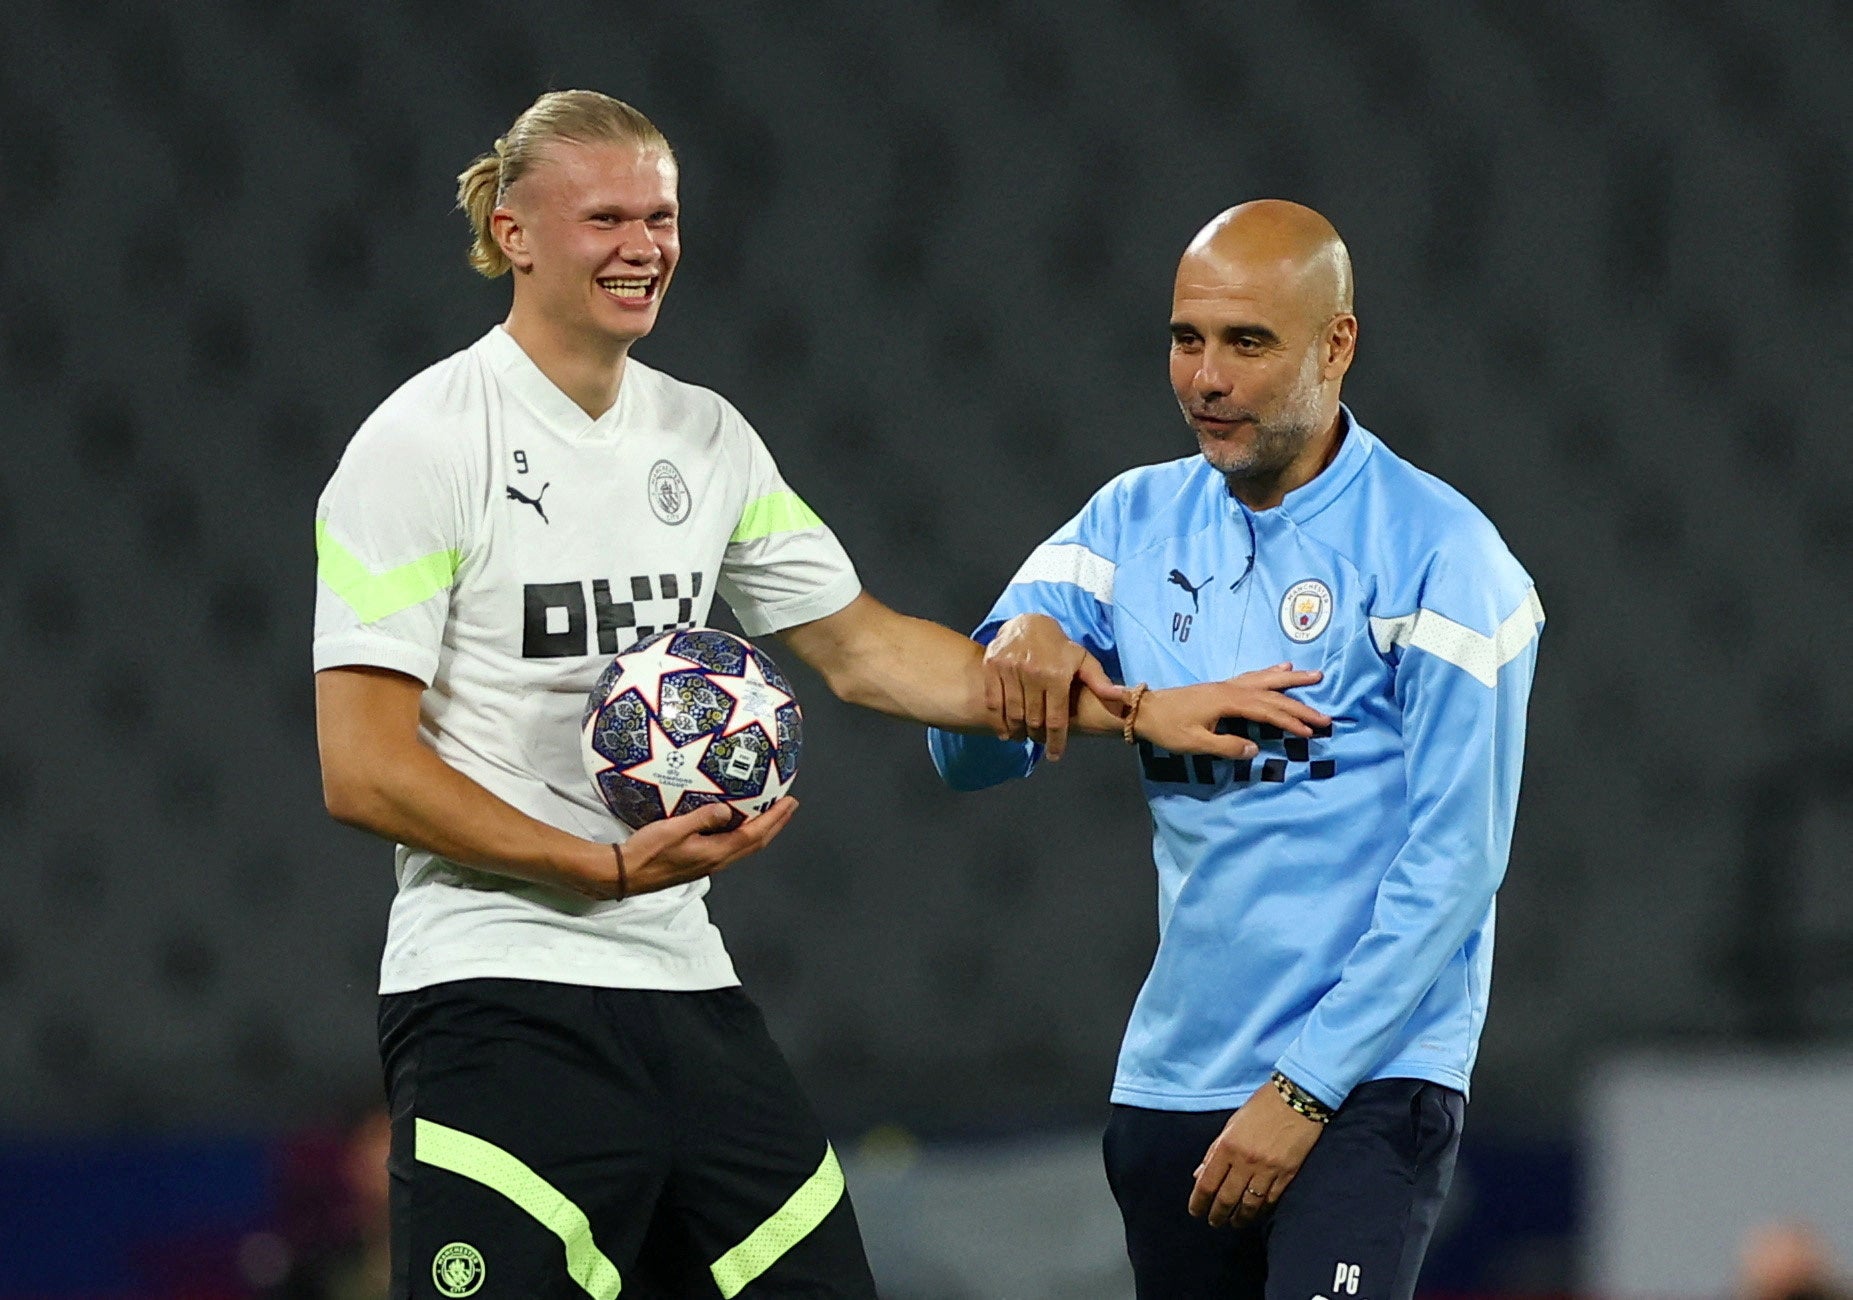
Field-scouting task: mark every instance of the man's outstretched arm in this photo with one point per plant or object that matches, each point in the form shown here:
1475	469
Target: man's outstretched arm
907	667
379	776
1181	719
910	668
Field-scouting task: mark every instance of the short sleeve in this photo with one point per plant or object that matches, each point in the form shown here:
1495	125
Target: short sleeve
783	565
391	531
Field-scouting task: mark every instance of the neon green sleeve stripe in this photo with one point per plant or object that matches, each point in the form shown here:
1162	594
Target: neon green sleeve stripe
494	1168
375	596
807	1208
777	512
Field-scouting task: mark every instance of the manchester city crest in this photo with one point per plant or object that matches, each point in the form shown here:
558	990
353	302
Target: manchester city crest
1305	610
669	494
458	1269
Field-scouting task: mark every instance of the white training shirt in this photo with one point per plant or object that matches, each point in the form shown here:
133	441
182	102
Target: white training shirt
486	536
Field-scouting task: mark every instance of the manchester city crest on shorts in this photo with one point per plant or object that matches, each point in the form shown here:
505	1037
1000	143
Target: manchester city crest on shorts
458	1269
1305	610
669	495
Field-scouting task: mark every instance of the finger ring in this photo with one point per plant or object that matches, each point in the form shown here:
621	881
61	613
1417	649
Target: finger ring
1249	1191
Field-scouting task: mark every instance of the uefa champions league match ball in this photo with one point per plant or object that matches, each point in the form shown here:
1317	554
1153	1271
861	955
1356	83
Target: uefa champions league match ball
690	717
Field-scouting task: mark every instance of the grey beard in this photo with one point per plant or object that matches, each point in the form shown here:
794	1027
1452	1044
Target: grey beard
1274	448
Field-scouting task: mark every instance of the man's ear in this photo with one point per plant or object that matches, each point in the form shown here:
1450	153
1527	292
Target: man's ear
511	237
1341	345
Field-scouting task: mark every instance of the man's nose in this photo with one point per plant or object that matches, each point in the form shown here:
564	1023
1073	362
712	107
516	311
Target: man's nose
636	244
1211	380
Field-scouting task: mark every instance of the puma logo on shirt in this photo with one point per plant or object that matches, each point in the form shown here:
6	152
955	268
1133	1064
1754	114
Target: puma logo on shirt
1177	577
515	494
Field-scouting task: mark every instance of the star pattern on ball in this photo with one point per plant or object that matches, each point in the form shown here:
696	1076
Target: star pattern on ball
674	770
755	699
643	671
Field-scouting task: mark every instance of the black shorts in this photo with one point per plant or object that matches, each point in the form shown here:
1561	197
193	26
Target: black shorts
1353	1225
553	1140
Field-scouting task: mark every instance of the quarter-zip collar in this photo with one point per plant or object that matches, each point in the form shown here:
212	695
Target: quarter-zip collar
1325	487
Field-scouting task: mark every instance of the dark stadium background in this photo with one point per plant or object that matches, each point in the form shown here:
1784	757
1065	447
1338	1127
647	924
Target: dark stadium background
1604	255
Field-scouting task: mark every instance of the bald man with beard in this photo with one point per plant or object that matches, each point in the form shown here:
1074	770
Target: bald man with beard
1291	1087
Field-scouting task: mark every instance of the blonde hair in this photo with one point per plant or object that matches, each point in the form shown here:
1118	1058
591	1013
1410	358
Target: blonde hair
575	116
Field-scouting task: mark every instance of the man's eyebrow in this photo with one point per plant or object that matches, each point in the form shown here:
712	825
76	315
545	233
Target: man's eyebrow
1228	333
618	210
1260	333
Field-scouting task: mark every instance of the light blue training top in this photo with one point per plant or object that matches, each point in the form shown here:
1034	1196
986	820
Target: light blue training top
1325	909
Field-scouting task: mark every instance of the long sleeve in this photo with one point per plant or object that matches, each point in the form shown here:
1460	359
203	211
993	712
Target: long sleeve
972	762
1069	578
1464	660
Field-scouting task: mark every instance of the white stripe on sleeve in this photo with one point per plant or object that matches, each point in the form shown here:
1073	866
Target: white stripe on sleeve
1478	655
1073	564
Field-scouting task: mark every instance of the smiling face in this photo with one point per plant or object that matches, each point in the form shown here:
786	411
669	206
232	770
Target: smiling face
591	233
1261	337
1248	382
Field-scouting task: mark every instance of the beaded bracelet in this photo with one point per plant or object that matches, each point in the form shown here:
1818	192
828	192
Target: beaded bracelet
1302	1101
1132	714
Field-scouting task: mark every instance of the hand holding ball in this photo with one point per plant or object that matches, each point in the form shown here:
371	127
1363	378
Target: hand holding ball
691	717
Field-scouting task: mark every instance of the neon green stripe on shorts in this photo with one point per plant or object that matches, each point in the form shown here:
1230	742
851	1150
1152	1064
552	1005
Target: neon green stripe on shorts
484	1162
794	1221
